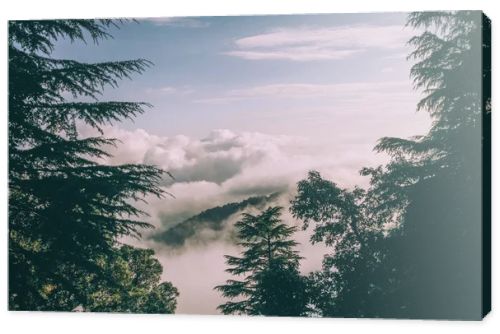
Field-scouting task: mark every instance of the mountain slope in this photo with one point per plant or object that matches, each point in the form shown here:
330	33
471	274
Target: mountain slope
214	219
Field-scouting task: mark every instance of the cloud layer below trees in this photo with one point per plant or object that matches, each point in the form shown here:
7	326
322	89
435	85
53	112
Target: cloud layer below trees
220	168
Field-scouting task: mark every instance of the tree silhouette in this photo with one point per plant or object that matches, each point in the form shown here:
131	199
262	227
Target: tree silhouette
66	211
438	175
417	252
271	283
345	221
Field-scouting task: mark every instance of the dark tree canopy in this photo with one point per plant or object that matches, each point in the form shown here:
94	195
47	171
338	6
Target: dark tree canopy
138	289
440	245
345	221
270	282
66	211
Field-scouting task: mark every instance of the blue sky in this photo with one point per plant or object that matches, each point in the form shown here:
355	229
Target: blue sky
201	64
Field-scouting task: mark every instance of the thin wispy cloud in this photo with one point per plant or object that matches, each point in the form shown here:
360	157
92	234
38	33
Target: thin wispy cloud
184	90
181	22
171	90
356	91
304	54
313	43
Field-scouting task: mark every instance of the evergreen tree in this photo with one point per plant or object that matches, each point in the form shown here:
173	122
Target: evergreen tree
438	176
271	283
66	211
138	289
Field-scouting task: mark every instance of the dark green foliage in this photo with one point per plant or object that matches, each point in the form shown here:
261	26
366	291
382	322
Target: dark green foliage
417	249
270	282
137	274
342	220
442	169
66	211
214	219
448	70
336	211
322	293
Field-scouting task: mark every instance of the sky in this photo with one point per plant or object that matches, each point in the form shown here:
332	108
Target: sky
245	106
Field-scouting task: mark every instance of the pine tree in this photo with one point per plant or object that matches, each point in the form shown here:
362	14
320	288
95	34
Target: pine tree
271	283
66	211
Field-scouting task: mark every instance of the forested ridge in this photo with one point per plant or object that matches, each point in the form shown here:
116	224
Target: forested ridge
215	219
407	245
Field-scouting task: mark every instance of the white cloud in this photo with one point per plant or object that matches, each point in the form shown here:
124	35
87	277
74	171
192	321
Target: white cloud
226	166
325	43
217	158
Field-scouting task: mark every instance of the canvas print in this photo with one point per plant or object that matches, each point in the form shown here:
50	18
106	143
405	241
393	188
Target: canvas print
332	165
